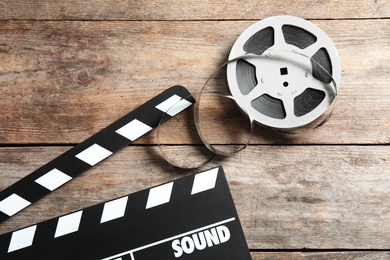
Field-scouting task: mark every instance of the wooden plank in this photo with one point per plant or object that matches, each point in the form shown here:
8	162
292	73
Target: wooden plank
62	81
287	197
321	255
189	10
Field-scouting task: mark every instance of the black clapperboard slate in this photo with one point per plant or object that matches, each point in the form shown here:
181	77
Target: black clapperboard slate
190	218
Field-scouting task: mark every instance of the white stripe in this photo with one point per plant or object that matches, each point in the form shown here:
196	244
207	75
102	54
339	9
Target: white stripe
68	224
178	107
170	238
168	103
114	209
159	195
13	204
22	238
94	154
53	179
205	181
134	130
173	105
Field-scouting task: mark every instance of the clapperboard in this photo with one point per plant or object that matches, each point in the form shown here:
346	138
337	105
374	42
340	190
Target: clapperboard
190	218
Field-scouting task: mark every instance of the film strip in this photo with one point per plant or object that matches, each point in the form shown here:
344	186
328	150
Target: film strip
283	73
190	218
93	150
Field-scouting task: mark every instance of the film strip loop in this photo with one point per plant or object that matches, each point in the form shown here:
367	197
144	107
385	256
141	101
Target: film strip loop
93	150
178	155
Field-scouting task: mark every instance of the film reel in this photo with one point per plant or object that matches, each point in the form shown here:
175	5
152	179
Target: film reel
296	79
283	73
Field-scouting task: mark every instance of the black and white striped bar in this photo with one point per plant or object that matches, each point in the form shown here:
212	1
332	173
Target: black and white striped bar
93	150
191	218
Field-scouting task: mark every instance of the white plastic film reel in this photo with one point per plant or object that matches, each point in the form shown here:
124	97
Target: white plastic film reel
284	72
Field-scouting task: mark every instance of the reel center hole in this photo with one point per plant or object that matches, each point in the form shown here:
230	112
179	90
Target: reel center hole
283	71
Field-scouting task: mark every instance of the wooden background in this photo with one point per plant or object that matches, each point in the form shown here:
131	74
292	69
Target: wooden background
68	68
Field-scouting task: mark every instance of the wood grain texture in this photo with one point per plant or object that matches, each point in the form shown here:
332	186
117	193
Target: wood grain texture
287	197
62	81
321	255
189	10
69	68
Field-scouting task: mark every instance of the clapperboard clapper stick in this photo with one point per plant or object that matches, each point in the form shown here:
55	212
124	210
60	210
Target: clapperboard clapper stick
93	150
190	218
